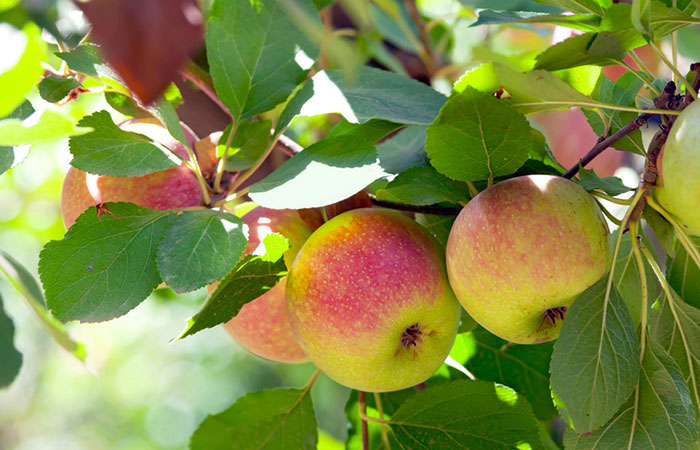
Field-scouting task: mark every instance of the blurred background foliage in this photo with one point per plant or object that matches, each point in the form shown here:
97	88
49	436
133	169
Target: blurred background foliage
140	392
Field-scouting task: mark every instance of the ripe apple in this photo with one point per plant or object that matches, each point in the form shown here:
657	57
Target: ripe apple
262	325
520	253
679	166
167	189
369	301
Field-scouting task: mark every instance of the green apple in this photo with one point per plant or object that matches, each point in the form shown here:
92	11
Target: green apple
167	189
679	166
520	253
262	325
369	301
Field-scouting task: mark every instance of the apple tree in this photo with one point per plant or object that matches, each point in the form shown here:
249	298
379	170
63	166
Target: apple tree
422	244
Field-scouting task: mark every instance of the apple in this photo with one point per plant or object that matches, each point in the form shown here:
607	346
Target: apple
167	189
262	325
678	166
369	301
520	253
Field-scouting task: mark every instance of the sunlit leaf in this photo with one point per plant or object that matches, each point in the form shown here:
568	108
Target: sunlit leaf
276	419
595	364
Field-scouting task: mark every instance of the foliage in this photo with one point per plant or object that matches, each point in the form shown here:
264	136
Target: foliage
391	112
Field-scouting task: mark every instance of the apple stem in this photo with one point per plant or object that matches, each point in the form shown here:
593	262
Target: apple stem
380	409
362	405
222	162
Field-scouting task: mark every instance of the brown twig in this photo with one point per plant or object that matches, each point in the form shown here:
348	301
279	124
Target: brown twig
428	56
667	100
429	209
288	146
607	142
695	67
204	82
362	405
650	173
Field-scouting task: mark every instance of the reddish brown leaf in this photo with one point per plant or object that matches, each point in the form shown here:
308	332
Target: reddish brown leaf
145	41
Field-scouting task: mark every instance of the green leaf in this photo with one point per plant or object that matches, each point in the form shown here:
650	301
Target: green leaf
439	226
22	111
372	130
595	364
50	127
477	136
641	18
7	157
540	90
20	67
199	248
248	144
276	246
660	417
86	59
602	48
610	185
513	5
275	419
580	6
371	94
54	89
105	265
255	53
252	277
676	327
165	112
664	233
616	38
347	163
623	93
7	154
524	368
422	185
583	22
30	290
403	150
9	355
585	79
626	278
495	418
386	17
124	104
109	150
683	274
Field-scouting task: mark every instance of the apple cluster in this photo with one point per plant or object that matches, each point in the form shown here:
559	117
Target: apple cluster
372	298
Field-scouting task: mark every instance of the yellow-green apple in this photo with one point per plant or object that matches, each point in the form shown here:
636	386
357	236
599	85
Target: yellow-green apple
679	167
369	301
520	253
262	325
167	189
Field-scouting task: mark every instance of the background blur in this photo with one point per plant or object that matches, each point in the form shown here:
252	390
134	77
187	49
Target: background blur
140	392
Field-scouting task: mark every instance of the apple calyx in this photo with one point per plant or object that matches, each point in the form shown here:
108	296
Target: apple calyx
410	336
553	314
